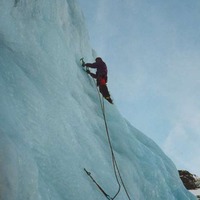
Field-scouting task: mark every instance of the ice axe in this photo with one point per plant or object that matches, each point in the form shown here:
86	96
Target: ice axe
83	65
82	62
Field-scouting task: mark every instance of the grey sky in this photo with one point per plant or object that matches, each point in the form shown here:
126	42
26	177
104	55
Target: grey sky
152	49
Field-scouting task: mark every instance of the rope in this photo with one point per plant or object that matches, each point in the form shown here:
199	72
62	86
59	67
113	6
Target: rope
114	162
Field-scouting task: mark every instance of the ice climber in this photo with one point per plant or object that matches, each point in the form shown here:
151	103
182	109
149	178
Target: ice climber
100	76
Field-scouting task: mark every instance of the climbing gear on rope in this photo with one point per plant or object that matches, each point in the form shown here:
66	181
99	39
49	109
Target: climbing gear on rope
100	188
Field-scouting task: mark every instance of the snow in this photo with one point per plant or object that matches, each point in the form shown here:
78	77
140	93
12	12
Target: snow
51	124
196	192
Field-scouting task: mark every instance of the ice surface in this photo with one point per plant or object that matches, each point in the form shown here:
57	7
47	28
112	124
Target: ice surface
51	125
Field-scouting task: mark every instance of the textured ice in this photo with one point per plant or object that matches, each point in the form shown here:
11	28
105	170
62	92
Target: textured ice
51	125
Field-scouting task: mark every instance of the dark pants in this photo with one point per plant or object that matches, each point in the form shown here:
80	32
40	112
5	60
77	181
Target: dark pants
101	82
104	91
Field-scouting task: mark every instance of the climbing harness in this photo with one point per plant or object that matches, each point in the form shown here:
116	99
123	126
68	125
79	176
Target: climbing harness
114	162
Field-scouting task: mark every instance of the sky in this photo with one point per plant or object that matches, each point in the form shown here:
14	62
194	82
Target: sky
152	52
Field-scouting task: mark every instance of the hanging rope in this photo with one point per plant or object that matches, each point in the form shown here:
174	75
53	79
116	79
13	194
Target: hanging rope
114	162
110	145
